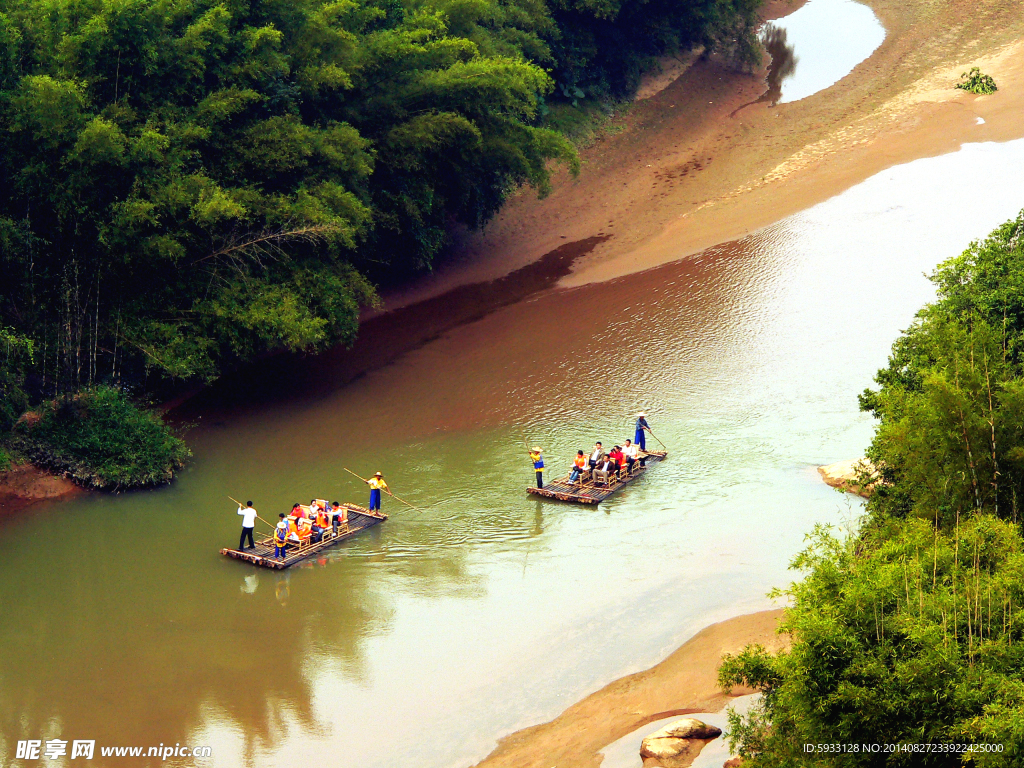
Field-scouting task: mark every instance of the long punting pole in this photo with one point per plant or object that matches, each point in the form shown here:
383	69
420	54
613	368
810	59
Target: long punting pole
657	438
389	492
257	516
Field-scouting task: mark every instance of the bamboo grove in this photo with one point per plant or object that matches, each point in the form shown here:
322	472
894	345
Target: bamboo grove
185	184
911	631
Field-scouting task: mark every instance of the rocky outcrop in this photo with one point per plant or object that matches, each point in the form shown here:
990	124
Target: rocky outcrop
853	476
677	744
734	762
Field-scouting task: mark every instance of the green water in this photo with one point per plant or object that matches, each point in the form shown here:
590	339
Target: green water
423	641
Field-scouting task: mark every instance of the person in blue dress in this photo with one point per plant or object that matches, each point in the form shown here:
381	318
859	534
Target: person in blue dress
641	427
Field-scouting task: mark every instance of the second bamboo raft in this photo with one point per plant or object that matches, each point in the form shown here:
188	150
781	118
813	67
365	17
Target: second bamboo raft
586	491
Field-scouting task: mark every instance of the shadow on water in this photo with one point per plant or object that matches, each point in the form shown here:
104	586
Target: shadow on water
382	339
783	65
162	658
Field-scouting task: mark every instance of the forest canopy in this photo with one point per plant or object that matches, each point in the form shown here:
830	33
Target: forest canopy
189	183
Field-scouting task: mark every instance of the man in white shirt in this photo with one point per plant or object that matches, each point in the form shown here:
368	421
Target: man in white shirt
248	523
596	455
630	451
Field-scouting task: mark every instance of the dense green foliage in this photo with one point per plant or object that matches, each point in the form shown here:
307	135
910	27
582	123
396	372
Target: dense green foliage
913	631
950	438
16	354
603	46
187	183
905	636
977	81
101	439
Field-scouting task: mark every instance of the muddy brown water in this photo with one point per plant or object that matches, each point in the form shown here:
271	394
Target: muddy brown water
426	639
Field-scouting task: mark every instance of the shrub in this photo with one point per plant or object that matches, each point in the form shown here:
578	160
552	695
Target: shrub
977	81
901	635
99	438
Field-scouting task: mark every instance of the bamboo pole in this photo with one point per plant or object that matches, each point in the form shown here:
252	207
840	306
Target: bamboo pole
396	498
657	438
257	516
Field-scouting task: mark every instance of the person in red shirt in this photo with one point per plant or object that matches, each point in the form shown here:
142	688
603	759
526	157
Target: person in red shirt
616	457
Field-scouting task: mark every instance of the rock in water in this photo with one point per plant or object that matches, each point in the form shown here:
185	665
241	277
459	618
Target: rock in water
687	728
848	475
679	742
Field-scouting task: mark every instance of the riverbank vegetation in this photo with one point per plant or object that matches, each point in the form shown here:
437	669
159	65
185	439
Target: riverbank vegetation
977	82
184	187
912	631
100	439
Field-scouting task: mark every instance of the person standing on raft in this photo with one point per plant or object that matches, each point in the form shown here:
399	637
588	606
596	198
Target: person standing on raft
248	523
280	538
537	457
376	484
641	426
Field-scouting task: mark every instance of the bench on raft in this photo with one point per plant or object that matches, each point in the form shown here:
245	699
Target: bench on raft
592	490
359	520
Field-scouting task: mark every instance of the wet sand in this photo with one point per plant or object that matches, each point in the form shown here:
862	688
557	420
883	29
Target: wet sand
684	683
24	485
678	173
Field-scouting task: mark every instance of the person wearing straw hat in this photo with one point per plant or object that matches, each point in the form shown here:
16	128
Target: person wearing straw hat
537	457
377	485
280	538
641	426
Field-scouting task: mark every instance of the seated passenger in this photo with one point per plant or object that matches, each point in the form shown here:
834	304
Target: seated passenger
630	452
323	520
297	510
320	524
339	515
595	456
616	457
578	465
299	529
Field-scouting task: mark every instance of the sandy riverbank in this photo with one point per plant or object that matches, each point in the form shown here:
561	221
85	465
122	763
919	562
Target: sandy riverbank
24	485
685	682
682	173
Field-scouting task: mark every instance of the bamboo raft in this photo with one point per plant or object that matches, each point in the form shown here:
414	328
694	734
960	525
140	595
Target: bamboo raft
586	491
359	519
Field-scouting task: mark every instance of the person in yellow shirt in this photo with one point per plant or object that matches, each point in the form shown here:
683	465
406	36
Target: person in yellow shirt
377	485
537	457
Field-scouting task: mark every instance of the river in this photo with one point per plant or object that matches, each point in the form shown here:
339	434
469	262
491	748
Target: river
420	643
